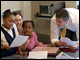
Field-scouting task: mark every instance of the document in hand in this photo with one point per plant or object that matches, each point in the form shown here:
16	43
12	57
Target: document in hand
67	40
19	40
52	51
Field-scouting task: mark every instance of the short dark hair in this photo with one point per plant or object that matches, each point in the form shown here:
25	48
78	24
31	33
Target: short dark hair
62	13
7	13
16	13
28	21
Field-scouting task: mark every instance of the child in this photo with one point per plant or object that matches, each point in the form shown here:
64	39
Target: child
28	27
8	33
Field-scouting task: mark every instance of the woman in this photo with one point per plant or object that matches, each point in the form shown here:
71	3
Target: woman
18	21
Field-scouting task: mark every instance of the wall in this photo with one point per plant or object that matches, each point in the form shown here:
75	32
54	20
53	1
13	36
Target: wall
72	4
42	26
29	9
13	5
23	6
9	5
26	9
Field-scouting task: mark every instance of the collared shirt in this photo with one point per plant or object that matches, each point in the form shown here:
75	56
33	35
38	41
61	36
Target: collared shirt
73	24
3	39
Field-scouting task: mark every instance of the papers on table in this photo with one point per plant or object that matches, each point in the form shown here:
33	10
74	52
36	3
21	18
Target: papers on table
19	40
63	55
67	40
38	54
77	58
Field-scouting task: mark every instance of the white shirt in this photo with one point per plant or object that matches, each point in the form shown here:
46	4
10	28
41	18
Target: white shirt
73	24
3	39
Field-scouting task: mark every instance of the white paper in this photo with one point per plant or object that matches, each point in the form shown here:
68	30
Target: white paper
64	57
67	40
38	54
19	40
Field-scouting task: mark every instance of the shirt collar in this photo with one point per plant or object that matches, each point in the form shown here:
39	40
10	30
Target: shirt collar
6	28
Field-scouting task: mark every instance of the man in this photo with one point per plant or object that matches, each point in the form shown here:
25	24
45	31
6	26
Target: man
68	17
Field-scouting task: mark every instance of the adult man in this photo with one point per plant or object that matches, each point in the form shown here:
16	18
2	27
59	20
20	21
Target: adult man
68	17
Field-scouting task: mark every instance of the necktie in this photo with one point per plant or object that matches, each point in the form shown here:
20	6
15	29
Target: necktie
63	34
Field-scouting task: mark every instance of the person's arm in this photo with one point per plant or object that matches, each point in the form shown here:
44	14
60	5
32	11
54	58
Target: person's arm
23	46
73	47
76	25
20	51
6	47
54	30
2	47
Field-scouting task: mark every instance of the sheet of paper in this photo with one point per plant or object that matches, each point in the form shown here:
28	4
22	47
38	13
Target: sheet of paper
67	40
38	55
64	57
19	40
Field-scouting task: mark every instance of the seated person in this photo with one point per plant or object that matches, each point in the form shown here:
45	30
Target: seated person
28	27
8	33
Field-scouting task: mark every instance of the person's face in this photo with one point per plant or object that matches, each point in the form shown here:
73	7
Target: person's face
28	28
8	22
60	22
18	21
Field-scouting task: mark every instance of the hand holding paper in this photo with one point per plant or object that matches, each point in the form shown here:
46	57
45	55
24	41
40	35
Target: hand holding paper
67	41
19	40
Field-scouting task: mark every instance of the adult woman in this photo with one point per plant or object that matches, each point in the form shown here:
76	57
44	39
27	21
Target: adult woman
18	21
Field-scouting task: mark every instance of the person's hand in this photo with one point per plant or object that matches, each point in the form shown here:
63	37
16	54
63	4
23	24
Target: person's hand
51	45
7	47
62	44
72	47
28	34
27	41
22	53
41	42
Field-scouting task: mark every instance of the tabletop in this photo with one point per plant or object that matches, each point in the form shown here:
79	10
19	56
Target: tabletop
18	56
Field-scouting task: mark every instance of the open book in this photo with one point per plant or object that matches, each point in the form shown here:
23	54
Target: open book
51	50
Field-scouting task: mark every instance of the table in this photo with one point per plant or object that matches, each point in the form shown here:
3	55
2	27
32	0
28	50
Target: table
17	56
